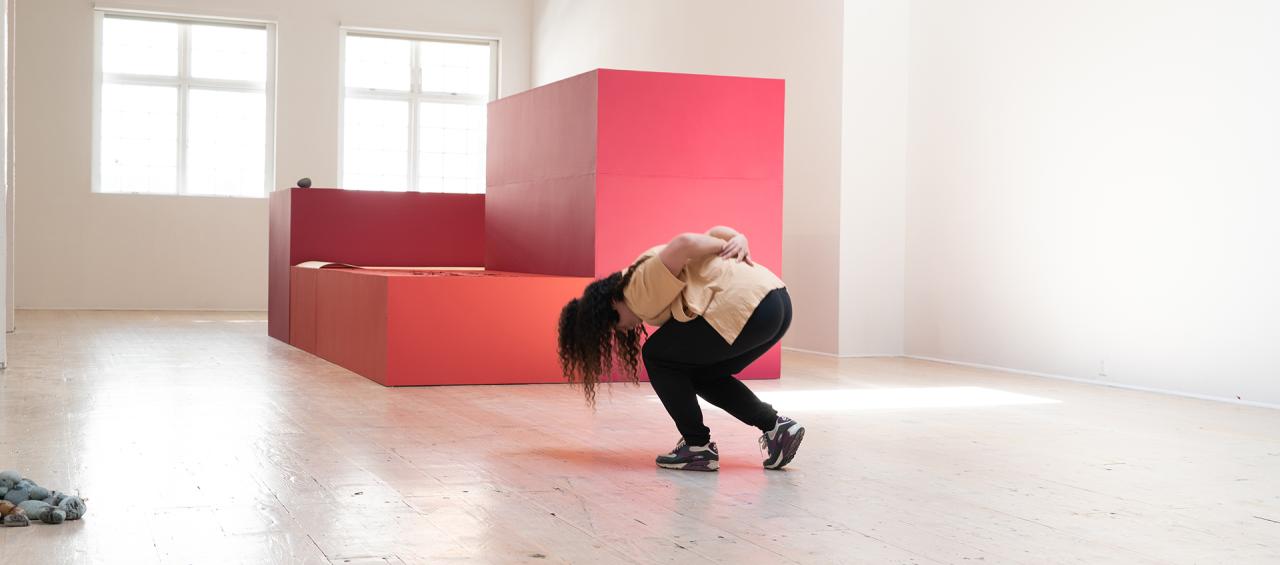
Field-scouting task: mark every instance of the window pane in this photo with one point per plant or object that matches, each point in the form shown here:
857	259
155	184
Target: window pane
375	62
226	143
139	145
451	147
461	68
231	53
139	47
375	144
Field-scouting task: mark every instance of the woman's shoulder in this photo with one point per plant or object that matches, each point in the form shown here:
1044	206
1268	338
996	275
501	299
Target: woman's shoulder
648	254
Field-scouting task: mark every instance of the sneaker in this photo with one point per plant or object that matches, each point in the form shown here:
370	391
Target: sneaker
691	457
781	442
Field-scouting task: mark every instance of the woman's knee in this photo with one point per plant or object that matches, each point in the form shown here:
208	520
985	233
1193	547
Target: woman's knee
659	362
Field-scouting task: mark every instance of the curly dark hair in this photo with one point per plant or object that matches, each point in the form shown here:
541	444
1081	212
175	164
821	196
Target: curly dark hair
590	343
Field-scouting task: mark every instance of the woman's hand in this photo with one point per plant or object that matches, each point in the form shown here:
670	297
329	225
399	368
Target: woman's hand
721	241
737	248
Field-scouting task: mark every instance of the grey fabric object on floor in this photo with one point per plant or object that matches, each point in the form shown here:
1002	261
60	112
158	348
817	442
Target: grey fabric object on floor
18	494
9	478
35	508
55	516
73	506
43	511
37	502
39	493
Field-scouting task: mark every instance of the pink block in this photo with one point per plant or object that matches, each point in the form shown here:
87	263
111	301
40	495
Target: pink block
633	213
389	229
627	160
586	173
689	126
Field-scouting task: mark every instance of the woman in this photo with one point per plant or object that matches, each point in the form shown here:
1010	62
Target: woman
716	311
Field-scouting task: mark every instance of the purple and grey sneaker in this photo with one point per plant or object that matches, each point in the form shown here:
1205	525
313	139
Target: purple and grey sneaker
781	442
691	457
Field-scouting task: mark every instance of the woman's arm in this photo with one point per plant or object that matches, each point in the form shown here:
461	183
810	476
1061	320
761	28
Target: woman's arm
723	232
688	247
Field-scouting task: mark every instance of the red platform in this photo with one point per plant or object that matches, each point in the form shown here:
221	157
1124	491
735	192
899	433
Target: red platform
367	228
583	175
586	173
405	327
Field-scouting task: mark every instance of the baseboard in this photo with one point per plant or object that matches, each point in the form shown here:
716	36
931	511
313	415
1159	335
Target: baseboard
1098	382
836	355
117	309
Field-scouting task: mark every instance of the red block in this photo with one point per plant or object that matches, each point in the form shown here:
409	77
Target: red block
399	328
367	228
586	173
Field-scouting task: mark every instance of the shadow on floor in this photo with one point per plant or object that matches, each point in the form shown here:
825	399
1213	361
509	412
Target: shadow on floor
632	459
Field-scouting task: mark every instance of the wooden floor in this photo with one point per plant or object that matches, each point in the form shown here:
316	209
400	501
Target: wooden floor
196	438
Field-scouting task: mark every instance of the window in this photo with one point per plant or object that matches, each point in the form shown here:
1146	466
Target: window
184	107
414	112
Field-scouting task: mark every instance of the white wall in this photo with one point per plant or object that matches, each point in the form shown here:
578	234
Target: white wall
6	14
795	41
873	176
76	249
1096	182
10	109
1084	189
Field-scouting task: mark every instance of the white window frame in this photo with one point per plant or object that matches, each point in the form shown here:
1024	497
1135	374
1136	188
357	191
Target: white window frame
184	83
415	95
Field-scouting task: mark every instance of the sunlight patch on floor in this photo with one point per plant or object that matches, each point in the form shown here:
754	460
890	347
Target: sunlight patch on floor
894	399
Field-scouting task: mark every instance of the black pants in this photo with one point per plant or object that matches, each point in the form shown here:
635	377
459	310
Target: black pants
686	360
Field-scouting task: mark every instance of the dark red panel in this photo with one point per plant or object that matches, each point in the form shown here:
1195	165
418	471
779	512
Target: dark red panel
682	125
367	228
544	227
545	133
541	157
387	228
